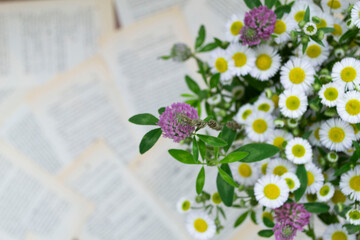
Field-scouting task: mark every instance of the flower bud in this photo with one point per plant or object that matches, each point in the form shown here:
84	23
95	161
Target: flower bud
180	52
316	20
316	87
296	132
332	157
241	187
280	123
330	112
292	122
324	71
339	53
293	36
268	93
305	39
322	162
315	107
320	35
302	23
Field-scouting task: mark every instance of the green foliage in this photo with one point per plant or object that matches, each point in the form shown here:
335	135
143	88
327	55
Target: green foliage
144	119
201	37
266	233
202	149
195	150
268	222
213	141
257	151
352	229
270	3
208	47
302	175
214	80
227	177
229	136
307	14
225	190
328	218
234	157
316	207
149	140
252	3
241	219
192	85
183	156
200	181
281	10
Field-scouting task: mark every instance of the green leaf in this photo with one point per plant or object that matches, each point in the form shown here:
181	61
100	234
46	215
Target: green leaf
213	141
304	47
280	11
270	3
241	219
225	190
208	47
268	222
182	156
195	150
165	57
358	126
307	14
343	169
349	34
302	175
214	80
200	181
328	218
192	85
201	70
352	229
149	140
257	151
161	110
327	29
306	135
201	37
256	83
229	136
202	149
221	211
316	207
266	233
315	39
234	157
144	119
253	216
252	3
228	178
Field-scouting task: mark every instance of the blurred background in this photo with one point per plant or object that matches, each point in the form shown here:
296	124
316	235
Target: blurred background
71	74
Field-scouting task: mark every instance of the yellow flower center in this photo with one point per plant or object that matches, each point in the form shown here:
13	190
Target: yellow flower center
278	141
185	205
246	113
272	191
297	75
264	107
316	134
322	24
239	59
338	30
352	107
336	134
338	197
310	178
280	170
245	170
355	183
331	94
280	27
290	183
216	198
200	225
299	16
221	65
236	27
354	214
334	4
275	99
348	74
292	103
324	190
268	216
263	62
263	168
313	51
298	150
260	126
339	236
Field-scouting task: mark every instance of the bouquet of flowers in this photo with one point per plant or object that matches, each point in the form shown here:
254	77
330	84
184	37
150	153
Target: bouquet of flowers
282	125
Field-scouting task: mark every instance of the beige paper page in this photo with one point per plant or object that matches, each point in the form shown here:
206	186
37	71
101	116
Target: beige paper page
124	209
42	38
33	201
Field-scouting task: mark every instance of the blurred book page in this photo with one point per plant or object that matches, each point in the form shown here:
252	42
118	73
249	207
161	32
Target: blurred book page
33	201
123	209
130	11
42	38
132	54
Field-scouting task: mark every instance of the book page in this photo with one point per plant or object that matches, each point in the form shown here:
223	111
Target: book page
146	82
33	202
42	38
123	208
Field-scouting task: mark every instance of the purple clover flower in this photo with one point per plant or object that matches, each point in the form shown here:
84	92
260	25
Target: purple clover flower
172	122
259	25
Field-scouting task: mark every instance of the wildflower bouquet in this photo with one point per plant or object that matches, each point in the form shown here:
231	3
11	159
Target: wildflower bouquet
283	98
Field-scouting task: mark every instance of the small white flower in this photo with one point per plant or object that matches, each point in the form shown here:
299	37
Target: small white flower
353	216
259	126
282	30
267	63
292	181
278	137
245	173
338	197
271	191
200	225
347	73
292	103
243	57
244	112
279	167
310	29
330	94
356	131
326	20
314	138
336	6
262	165
298	150
340	28
221	62
337	232
315	178
233	27
315	53
183	205
355	14
349	107
326	192
265	105
350	183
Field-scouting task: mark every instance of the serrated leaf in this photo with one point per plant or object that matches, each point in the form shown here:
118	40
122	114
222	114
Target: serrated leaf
240	219
229	136
144	119
213	141
316	207
225	190
270	3
266	233
214	80
183	156
149	140
200	181
234	157
257	151
195	150
208	47
302	175
228	178
192	85
201	37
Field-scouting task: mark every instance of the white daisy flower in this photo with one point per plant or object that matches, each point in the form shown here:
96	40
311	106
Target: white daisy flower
221	62
262	165
278	137
353	216
244	112
315	53
297	73
215	198
308	198
298	10
233	27
347	73
326	192
298	150
330	93
200	225
355	14
336	6
267	63
356	131
282	30
314	137
326	20
292	181
243	57
271	191
337	232
340	28
183	205
350	183
315	178
259	126
245	173
336	135
264	104
279	167
329	175
260	214
310	29
338	197
293	103
349	107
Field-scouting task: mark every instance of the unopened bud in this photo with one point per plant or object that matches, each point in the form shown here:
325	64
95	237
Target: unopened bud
180	52
305	39
315	107
302	23
293	36
339	53
324	71
322	161
268	93
280	123
320	35
330	112
316	87
332	157
296	132
292	122
316	20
